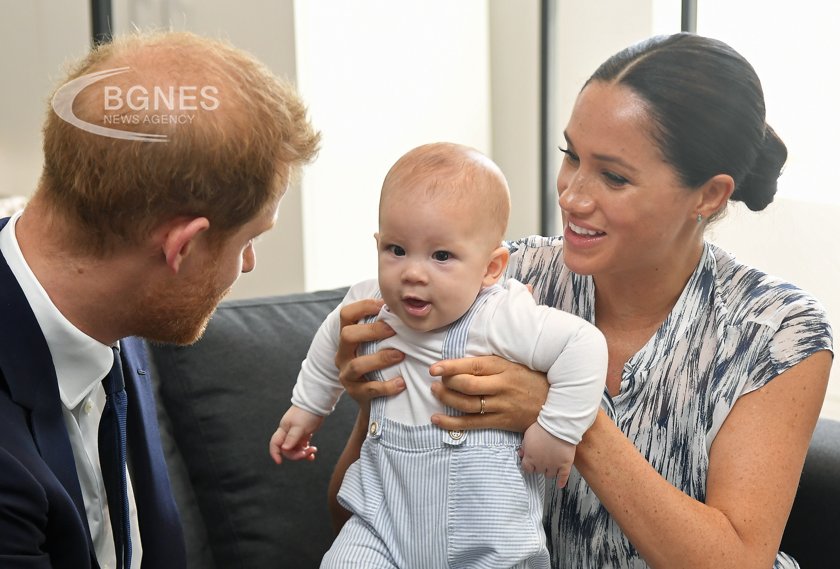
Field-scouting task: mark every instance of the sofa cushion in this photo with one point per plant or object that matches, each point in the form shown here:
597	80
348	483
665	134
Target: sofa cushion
224	396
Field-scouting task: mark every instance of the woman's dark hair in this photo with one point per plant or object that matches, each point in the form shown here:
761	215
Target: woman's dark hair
707	107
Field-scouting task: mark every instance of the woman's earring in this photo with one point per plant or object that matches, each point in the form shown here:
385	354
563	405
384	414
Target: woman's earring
699	218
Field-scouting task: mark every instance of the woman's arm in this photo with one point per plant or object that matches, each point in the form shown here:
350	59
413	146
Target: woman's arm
352	370
754	466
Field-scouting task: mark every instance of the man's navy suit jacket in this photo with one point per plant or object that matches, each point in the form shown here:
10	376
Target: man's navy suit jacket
42	514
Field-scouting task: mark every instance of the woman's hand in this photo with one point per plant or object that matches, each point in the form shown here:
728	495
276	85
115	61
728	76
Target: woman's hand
352	368
351	372
512	394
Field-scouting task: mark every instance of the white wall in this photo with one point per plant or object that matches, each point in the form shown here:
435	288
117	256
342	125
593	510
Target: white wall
515	107
36	39
381	77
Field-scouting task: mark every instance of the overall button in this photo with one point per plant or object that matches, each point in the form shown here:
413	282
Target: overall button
374	427
456	435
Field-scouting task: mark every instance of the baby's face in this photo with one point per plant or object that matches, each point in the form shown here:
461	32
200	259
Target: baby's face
433	257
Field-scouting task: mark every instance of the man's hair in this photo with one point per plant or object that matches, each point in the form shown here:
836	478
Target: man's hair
454	172
225	159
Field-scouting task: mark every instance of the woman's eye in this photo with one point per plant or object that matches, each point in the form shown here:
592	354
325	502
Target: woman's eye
396	250
441	255
615	179
570	156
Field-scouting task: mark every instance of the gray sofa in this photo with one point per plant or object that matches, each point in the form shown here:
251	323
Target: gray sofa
220	400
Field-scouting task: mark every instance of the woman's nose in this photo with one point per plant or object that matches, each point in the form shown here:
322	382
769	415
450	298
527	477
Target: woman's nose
573	191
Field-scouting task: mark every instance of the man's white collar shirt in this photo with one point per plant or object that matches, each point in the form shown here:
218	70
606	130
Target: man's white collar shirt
80	365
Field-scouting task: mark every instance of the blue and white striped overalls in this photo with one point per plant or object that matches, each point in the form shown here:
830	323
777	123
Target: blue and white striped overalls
426	498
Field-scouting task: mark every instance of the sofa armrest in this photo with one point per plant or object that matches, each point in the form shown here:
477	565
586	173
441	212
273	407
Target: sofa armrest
224	396
811	535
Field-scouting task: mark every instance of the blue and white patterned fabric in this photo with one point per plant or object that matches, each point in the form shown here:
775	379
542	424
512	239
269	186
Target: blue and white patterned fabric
732	330
427	498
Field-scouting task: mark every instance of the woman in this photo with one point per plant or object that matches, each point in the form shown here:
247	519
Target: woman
716	371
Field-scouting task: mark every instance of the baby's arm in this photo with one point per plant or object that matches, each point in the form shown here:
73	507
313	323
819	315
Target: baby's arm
546	454
573	353
317	388
576	379
291	439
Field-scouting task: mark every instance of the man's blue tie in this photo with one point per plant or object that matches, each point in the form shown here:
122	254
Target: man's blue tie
112	452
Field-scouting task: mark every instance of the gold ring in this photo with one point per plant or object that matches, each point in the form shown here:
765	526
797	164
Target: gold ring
483	405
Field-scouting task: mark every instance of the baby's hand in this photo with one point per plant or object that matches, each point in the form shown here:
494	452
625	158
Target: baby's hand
544	453
291	439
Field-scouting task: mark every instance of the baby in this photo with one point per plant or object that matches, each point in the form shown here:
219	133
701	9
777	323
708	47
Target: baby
421	496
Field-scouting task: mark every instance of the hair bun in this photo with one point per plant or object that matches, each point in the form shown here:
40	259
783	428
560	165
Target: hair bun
758	188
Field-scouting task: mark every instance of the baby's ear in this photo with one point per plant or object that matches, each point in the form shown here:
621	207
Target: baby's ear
496	266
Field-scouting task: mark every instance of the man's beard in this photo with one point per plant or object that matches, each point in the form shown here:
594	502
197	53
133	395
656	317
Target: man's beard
180	317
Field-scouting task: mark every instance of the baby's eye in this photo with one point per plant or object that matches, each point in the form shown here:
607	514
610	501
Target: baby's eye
397	250
441	255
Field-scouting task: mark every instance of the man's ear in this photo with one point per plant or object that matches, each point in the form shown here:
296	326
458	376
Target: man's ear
179	239
714	194
496	266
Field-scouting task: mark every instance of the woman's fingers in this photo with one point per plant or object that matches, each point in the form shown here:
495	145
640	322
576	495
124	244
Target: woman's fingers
363	391
352	334
467	422
471	375
355	311
498	413
354	380
355	369
513	394
466	402
352	368
357	333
